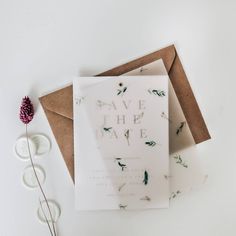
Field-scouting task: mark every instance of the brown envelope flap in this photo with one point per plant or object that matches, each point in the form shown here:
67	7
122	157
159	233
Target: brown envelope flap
59	102
62	128
166	54
188	102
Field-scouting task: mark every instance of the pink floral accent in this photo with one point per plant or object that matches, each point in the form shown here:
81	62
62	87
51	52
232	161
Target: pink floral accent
26	110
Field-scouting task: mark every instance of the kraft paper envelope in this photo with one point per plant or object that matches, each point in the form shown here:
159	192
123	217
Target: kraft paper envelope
58	105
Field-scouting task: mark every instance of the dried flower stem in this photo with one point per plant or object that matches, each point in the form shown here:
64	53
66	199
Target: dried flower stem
39	184
45	217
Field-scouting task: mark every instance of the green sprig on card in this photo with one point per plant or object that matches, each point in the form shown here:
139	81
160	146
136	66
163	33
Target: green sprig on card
123	166
180	161
107	129
79	100
120	164
151	143
180	128
121	91
122	207
145	178
146	198
121	187
126	134
174	194
159	93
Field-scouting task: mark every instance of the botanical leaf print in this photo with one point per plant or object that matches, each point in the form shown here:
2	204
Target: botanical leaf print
107	129
145	178
159	93
151	143
180	161
180	128
146	198
174	194
121	90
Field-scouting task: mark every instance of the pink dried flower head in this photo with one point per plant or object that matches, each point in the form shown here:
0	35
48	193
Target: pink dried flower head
26	110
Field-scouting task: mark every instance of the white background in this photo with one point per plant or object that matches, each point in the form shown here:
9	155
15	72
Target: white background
44	43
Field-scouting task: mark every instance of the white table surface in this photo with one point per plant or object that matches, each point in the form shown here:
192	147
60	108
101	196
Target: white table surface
44	43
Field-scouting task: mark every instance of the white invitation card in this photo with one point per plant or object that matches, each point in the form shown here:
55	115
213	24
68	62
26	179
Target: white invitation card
121	142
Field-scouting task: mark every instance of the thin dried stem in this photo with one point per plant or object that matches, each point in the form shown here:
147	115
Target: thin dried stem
45	217
39	184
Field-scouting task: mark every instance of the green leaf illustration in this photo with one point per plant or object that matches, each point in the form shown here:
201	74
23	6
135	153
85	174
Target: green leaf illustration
159	93
180	128
126	134
151	143
107	129
79	100
121	187
180	161
121	91
122	207
123	166
145	178
146	198
174	194
163	115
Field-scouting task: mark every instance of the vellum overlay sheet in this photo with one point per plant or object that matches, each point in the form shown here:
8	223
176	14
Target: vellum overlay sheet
121	142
